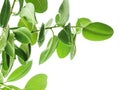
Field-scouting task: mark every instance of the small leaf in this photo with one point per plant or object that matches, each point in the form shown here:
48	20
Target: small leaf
63	15
52	44
41	37
81	23
40	5
23	57
3	39
20	72
10	49
48	24
97	31
73	51
38	82
28	13
7	63
63	50
5	13
23	35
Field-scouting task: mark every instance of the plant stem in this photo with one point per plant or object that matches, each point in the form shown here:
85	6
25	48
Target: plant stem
13	6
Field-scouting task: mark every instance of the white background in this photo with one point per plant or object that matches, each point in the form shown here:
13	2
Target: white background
96	65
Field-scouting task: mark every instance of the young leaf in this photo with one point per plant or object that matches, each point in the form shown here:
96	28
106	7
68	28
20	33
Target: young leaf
31	27
97	31
41	37
3	39
63	15
73	51
5	13
52	44
81	23
48	24
10	49
63	50
40	5
20	72
23	57
28	13
38	82
23	35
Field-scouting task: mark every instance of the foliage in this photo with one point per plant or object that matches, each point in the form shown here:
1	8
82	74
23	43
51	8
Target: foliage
28	34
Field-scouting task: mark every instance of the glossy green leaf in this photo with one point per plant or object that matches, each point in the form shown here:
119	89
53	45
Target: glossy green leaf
41	37
23	57
52	44
28	13
7	63
20	72
81	23
10	49
65	35
31	27
97	31
3	39
63	50
40	5
23	35
63	15
5	13
37	82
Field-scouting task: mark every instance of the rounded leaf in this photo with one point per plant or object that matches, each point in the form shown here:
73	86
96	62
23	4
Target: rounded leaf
97	31
38	82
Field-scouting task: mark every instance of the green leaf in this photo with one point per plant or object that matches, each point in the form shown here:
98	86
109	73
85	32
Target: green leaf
28	13
97	31
1	78
5	13
10	49
3	39
81	23
23	35
65	35
63	15
6	88
41	37
52	44
7	63
20	72
40	5
31	27
38	82
63	50
73	51
23	57
48	24
21	2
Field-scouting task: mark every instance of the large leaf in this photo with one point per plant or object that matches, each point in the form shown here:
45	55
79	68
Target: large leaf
97	31
52	44
23	57
31	27
63	15
3	39
63	50
23	35
20	72
28	13
10	49
7	63
81	23
5	13
41	37
37	82
40	5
